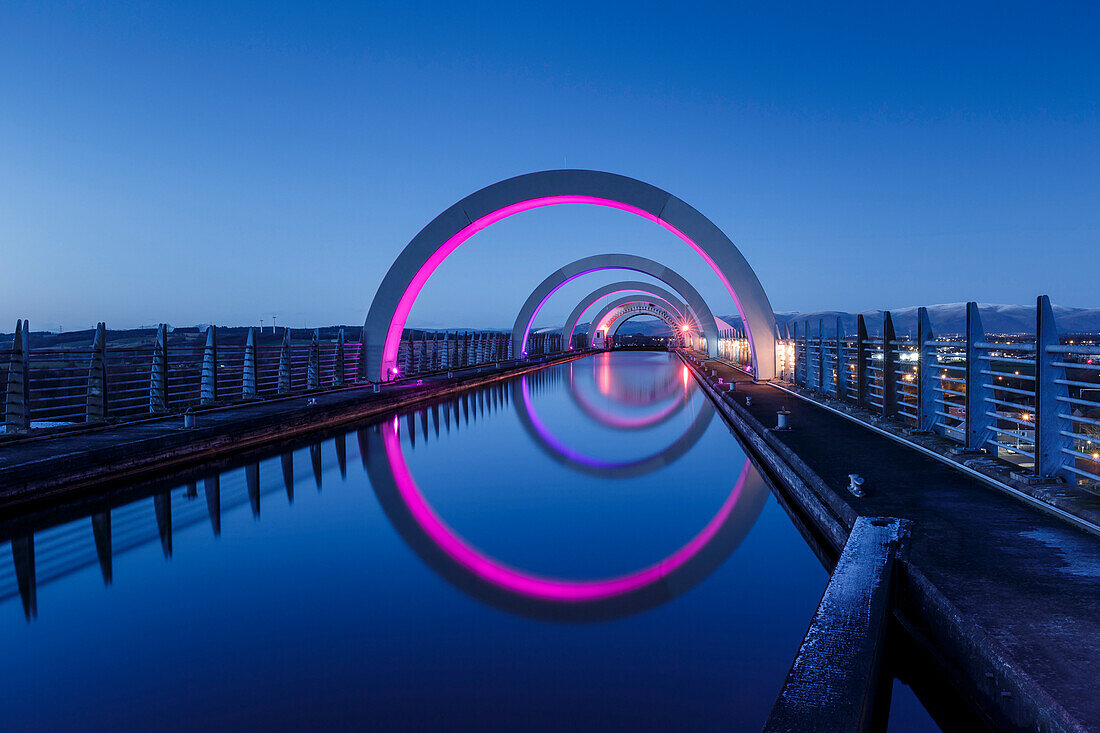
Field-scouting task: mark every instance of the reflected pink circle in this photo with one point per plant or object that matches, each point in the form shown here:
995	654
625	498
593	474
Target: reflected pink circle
530	584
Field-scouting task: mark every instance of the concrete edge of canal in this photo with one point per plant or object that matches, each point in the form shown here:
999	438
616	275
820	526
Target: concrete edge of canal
978	668
36	471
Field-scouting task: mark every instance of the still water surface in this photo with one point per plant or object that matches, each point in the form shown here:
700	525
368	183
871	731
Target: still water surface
584	547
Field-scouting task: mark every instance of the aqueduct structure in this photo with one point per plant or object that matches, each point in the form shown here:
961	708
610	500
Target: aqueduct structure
403	282
685	314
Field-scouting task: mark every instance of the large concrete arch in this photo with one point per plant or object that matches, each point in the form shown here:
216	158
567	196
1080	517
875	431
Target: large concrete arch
623	286
628	300
617	320
522	327
435	242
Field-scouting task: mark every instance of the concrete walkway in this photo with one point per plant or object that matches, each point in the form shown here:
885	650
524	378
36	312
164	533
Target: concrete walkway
1025	585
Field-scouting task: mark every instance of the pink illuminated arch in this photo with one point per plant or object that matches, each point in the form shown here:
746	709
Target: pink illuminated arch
406	277
617	308
624	286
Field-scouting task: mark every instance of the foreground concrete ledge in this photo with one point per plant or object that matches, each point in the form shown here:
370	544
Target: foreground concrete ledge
834	682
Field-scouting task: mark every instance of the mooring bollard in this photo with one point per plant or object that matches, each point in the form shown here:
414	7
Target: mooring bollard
781	419
855	484
189	419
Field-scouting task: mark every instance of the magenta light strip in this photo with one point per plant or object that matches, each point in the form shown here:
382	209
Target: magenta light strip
404	305
529	584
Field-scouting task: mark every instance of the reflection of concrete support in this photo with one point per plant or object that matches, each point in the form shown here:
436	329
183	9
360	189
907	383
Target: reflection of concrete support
17	414
22	554
287	459
212	488
341	443
162	505
315	461
96	405
363	440
252	479
208	388
834	681
158	372
101	532
248	377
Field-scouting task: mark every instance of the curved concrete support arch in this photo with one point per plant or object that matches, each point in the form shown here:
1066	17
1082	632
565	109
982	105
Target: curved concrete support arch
623	286
410	271
522	327
617	320
615	305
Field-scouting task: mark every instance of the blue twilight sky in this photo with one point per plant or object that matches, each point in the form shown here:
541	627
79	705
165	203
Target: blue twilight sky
227	161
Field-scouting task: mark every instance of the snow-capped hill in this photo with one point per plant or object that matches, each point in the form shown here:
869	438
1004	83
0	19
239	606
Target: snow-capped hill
949	319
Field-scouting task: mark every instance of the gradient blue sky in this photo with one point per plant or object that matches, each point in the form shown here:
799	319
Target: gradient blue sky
227	161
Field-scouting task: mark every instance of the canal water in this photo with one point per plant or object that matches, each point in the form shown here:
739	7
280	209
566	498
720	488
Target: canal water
584	547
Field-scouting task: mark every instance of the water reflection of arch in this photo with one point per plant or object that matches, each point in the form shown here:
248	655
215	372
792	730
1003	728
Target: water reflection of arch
577	461
517	591
672	388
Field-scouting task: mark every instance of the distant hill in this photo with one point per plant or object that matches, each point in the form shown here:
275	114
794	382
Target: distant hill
947	319
950	319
